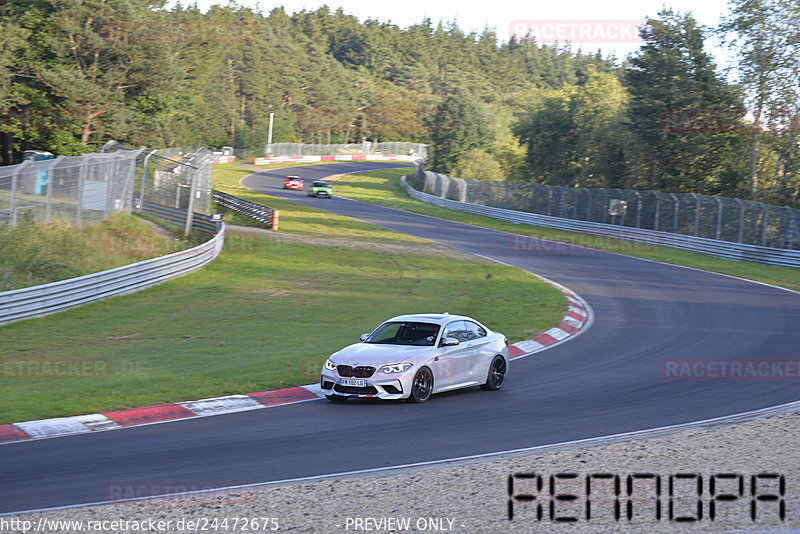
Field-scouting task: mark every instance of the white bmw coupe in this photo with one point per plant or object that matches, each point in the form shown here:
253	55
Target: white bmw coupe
413	356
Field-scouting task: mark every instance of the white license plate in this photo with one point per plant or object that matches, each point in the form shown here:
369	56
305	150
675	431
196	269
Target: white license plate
357	382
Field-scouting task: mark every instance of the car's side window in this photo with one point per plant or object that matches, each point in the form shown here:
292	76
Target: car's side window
475	330
457	330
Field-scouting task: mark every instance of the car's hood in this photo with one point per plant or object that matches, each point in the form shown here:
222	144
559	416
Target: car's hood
376	355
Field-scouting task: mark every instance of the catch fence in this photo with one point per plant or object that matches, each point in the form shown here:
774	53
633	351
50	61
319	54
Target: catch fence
92	187
417	150
702	216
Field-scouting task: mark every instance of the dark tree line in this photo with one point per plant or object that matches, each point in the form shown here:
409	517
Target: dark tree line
74	74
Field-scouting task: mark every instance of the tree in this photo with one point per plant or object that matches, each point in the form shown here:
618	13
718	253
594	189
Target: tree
94	57
673	74
548	132
460	123
12	41
763	32
577	135
477	164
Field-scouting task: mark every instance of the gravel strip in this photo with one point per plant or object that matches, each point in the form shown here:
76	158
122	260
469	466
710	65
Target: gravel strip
473	498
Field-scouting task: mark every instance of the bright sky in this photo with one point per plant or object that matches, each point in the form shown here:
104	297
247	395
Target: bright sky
599	24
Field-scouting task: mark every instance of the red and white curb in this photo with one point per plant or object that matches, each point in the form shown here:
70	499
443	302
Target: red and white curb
63	426
577	320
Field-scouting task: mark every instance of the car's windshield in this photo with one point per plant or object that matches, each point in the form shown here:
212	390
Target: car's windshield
405	333
320	184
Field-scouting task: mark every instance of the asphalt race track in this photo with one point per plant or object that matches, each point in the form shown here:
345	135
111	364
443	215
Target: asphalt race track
606	381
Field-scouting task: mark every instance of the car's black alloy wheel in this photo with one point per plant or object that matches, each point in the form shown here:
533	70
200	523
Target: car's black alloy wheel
422	386
497	374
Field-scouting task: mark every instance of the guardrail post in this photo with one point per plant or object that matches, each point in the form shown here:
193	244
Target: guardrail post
589	205
766	223
638	209
719	216
190	210
48	210
741	218
109	185
696	213
144	179
14	187
658	209
126	197
82	172
605	204
575	203
677	211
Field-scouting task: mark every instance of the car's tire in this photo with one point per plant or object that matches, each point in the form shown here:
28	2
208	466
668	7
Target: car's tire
422	385
497	374
336	398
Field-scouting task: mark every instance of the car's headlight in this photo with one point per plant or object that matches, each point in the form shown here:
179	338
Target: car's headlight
329	365
395	368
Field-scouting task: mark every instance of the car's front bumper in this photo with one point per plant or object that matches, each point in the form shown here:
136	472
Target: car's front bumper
387	387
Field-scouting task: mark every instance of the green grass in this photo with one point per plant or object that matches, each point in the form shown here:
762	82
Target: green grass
263	315
268	311
297	219
383	188
33	254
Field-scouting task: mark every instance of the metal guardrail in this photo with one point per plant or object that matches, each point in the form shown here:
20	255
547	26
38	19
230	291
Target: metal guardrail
200	222
50	298
255	211
724	249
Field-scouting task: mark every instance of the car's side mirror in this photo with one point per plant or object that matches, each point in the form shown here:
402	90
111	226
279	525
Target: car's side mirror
448	342
364	337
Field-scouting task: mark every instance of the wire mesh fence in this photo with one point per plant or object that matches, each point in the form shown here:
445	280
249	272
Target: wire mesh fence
712	217
79	189
181	180
299	149
92	187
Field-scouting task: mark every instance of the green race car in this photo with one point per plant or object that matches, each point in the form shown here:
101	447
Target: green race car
320	189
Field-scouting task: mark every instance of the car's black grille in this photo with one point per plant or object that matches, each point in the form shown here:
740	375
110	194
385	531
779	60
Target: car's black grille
361	371
326	384
369	390
394	390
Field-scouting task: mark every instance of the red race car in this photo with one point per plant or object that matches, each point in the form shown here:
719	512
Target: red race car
293	182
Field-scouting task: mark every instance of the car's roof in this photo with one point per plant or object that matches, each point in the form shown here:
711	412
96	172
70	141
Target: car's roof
437	318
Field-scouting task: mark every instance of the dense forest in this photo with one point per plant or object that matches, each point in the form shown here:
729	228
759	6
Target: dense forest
75	73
